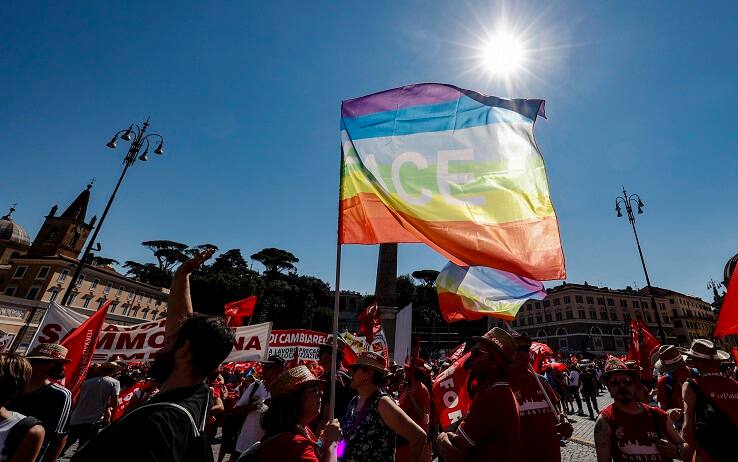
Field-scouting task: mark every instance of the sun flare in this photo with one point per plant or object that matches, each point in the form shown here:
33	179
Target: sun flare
502	54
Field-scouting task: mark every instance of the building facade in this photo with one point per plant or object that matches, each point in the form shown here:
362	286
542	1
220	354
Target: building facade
582	318
42	270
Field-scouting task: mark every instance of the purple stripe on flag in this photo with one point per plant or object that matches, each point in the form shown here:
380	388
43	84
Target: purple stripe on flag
398	98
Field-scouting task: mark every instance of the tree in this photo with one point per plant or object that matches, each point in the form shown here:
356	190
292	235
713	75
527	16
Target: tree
148	273
427	277
103	261
275	261
168	253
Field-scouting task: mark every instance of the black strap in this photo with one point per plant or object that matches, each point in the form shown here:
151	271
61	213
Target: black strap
16	434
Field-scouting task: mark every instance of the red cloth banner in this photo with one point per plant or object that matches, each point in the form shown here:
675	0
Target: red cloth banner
456	353
540	355
728	321
641	347
125	399
370	322
734	351
236	311
81	343
450	393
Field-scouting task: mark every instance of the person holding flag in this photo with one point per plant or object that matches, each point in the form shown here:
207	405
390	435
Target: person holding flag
492	426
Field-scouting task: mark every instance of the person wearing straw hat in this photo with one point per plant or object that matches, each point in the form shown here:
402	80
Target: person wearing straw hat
628	430
716	442
295	402
45	399
491	429
542	424
373	420
670	362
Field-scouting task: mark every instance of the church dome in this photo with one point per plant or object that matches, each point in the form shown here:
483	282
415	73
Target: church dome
12	231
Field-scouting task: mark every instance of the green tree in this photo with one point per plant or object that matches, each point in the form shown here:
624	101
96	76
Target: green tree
168	253
275	261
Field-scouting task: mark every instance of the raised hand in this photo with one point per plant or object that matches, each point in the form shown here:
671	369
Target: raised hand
193	263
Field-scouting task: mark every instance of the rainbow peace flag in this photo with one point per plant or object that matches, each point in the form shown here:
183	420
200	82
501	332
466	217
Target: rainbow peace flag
465	294
451	168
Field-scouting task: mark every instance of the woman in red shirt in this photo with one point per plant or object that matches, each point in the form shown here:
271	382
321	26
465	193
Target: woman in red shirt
295	402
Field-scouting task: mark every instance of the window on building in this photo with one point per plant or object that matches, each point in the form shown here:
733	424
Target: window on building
522	321
636	304
610	302
592	315
134	312
113	306
131	294
158	303
567	299
515	323
530	320
558	316
539	318
579	299
79	280
20	272
100	302
529	307
590	300
623	303
582	315
63	275
671	301
648	318
538	305
603	315
626	318
42	272
546	303
145	313
86	302
33	293
662	306
569	314
10	291
557	302
54	294
613	315
120	291
548	317
600	301
94	284
108	287
72	298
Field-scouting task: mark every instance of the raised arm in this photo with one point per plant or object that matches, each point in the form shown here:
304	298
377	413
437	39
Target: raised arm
403	425
180	304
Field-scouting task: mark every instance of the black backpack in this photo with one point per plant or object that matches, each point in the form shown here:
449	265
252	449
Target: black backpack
16	434
713	428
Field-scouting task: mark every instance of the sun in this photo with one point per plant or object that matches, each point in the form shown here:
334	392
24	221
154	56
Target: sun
502	54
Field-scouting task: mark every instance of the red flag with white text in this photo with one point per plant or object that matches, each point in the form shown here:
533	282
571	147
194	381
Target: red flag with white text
450	393
125	399
456	353
81	343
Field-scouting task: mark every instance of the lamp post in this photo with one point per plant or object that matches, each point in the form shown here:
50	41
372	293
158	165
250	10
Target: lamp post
140	140
628	201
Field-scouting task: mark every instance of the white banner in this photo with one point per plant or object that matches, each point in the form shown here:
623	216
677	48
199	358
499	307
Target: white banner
307	342
403	334
142	341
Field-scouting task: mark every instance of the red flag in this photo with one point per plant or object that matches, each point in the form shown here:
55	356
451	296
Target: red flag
456	353
539	355
633	345
81	343
735	354
728	321
642	346
125	399
236	311
348	354
450	393
370	322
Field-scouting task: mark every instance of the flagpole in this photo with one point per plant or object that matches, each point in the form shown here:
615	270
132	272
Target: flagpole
337	288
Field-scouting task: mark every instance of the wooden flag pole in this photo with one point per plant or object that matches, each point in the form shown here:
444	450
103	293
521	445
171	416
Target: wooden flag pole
337	289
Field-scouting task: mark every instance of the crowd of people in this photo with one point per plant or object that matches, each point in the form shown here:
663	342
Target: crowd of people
685	407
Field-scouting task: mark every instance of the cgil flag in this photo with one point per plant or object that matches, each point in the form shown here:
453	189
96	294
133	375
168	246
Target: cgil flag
471	293
451	168
727	323
236	311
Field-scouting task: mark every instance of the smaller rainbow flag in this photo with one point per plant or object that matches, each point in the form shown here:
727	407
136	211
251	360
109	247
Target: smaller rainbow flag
469	293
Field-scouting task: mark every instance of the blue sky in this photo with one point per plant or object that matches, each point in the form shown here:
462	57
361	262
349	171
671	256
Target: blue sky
247	96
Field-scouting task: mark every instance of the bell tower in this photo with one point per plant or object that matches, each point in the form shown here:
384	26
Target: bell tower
65	234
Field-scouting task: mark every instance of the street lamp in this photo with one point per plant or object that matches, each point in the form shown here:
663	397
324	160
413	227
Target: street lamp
140	140
628	202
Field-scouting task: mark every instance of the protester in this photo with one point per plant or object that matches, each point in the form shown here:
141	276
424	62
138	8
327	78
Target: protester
541	427
295	402
373	420
712	433
168	426
415	401
252	403
97	399
629	430
45	399
21	437
674	372
217	407
588	386
574	388
492	426
344	393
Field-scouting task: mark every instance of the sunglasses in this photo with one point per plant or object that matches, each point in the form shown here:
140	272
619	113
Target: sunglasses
625	381
476	352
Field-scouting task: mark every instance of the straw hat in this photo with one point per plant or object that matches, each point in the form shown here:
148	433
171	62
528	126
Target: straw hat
615	365
292	380
501	341
371	361
49	352
669	359
705	350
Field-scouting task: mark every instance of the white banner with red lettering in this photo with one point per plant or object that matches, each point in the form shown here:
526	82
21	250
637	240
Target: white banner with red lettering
284	342
142	341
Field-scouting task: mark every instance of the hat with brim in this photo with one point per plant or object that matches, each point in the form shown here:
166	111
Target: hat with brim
669	359
371	361
705	350
500	341
291	380
49	352
615	365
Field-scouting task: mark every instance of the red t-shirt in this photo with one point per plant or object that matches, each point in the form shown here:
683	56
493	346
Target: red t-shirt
538	438
422	399
492	426
722	391
290	447
634	436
